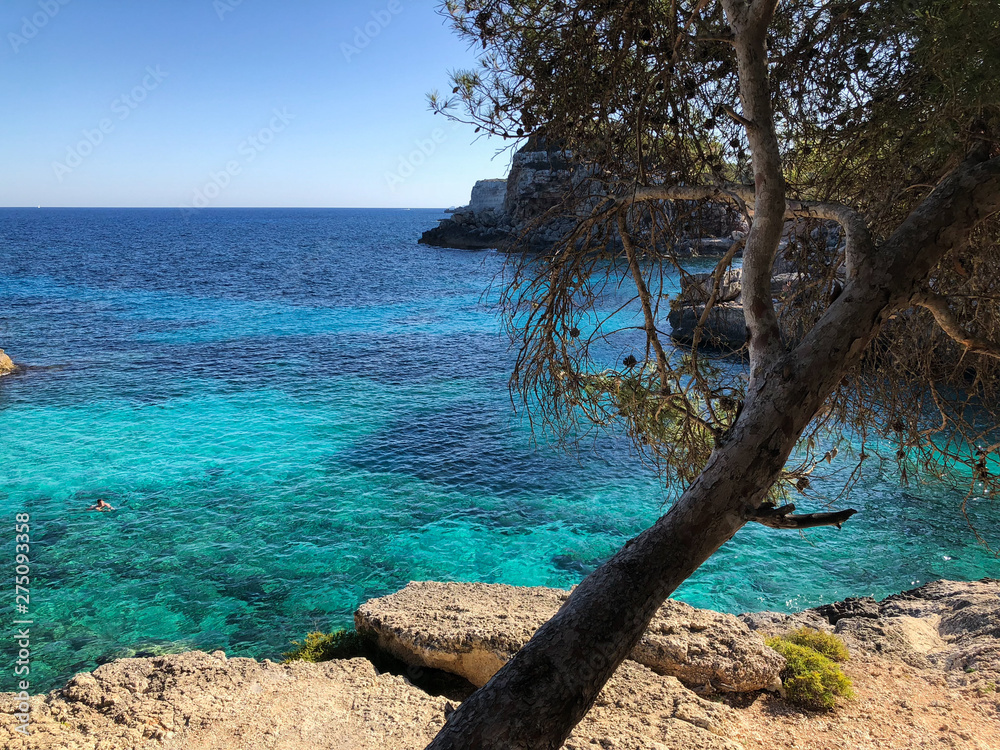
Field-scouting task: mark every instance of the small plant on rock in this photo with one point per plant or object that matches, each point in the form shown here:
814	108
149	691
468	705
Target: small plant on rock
317	647
825	643
811	679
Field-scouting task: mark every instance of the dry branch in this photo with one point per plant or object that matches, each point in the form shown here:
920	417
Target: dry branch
784	518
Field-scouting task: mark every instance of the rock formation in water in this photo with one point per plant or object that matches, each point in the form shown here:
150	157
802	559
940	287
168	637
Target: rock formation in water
528	205
940	643
6	365
480	225
725	327
501	210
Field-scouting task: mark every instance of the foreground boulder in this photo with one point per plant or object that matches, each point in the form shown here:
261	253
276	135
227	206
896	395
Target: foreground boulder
197	700
708	651
473	629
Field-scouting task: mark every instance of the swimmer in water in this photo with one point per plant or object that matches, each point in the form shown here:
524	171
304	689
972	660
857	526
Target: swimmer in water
101	505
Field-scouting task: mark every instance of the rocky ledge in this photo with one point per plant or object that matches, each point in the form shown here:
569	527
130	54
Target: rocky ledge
480	225
472	629
925	664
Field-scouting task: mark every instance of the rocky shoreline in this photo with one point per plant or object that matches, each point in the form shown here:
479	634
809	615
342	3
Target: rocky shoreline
529	206
926	665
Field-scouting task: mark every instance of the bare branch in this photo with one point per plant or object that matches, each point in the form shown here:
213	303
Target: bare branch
737	117
640	284
731	192
783	518
938	306
859	243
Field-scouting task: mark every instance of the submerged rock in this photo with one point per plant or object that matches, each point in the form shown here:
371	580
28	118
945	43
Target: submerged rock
473	629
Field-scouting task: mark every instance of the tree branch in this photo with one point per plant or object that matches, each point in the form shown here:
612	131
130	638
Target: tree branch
860	246
782	518
937	304
749	26
737	117
644	298
940	224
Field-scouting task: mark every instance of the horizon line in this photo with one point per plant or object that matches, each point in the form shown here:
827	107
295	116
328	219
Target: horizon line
244	208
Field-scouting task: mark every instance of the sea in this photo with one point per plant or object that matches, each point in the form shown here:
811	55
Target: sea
293	411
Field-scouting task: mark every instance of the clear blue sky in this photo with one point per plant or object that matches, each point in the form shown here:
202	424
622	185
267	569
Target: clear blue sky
243	103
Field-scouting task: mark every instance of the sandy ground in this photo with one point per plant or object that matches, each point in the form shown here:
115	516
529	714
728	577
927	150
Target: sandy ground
896	706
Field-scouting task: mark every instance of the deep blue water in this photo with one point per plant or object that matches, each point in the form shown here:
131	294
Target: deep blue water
297	410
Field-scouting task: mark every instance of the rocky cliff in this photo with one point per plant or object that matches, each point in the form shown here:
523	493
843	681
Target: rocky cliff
501	210
925	664
532	209
480	225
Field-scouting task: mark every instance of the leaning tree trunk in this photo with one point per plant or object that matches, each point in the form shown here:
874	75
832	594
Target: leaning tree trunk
534	701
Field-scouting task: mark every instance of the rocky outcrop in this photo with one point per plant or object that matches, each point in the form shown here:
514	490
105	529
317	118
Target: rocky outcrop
949	625
208	701
725	327
6	365
472	629
646	711
708	651
468	629
480	225
501	211
533	209
197	700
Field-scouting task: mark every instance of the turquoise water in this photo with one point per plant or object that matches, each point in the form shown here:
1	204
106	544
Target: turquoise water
294	411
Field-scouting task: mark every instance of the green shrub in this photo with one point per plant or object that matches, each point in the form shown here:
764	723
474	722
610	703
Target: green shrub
340	644
825	643
810	679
